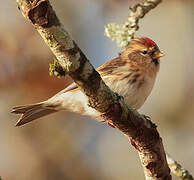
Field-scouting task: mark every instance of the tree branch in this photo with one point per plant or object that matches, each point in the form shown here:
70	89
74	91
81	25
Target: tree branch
112	107
177	169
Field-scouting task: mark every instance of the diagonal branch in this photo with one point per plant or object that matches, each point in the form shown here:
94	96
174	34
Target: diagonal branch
112	107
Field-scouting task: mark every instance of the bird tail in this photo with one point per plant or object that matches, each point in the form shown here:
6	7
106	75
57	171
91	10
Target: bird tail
31	112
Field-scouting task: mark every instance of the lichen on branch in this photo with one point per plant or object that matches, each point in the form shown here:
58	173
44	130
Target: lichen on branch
55	69
177	169
123	33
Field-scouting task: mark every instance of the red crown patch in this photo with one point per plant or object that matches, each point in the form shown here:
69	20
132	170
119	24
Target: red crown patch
149	42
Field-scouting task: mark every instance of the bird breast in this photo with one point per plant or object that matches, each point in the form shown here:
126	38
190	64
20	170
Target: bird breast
134	91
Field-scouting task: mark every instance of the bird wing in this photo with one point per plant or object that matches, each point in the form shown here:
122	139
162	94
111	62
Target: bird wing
71	87
105	69
110	66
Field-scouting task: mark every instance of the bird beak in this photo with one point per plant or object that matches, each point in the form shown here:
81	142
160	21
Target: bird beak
158	55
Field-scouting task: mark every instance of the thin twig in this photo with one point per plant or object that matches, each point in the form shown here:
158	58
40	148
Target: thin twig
123	33
177	169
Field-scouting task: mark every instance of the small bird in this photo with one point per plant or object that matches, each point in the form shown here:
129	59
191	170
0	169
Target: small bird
131	75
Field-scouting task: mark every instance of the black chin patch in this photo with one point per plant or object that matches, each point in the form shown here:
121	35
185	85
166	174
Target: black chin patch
155	61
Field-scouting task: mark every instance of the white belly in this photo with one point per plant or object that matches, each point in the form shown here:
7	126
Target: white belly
134	96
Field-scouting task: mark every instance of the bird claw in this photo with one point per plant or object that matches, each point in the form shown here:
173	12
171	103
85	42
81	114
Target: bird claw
111	125
119	96
149	122
146	117
133	144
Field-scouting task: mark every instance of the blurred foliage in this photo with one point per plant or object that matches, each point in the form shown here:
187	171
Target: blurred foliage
65	145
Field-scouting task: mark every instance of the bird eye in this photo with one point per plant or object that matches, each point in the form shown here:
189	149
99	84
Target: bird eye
144	52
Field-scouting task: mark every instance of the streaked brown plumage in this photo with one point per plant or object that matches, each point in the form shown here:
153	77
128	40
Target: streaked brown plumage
131	75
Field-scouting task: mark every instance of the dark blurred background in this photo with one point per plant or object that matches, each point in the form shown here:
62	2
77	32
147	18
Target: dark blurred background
67	146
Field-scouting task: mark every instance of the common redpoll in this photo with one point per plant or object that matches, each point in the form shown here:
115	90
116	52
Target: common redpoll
131	75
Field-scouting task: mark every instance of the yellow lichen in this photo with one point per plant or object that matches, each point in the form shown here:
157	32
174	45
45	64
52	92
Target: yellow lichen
55	69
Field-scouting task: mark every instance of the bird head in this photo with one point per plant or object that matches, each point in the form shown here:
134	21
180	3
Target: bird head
144	54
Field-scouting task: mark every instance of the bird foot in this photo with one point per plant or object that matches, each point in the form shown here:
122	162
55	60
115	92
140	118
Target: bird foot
146	117
133	144
111	125
149	122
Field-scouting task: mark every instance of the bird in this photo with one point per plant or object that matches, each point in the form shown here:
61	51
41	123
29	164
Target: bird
131	75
